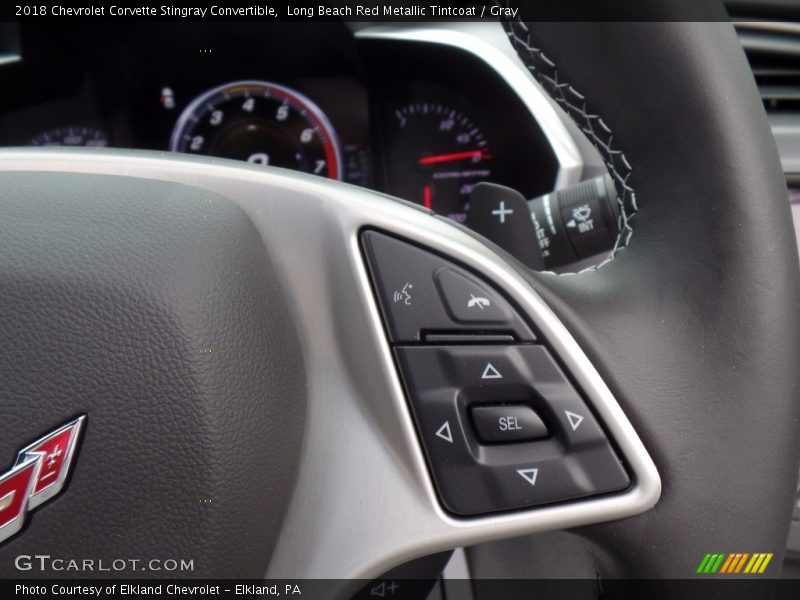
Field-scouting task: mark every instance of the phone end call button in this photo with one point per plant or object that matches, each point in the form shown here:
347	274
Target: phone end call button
469	301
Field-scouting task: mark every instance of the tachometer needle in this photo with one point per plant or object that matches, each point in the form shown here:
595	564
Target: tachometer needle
449	157
427	197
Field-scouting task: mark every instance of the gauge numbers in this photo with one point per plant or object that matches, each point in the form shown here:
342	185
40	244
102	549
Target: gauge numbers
436	156
262	123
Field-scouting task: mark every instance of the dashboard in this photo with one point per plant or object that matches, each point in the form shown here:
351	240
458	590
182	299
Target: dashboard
421	121
421	113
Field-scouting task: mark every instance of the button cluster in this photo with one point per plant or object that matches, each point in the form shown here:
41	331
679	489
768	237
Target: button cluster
424	295
502	426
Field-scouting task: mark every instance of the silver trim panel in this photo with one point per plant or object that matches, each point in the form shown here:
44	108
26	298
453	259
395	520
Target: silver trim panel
364	501
456	578
782	27
786	130
489	43
768	43
7	58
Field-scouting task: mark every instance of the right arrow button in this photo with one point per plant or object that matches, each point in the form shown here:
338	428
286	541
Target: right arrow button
574	419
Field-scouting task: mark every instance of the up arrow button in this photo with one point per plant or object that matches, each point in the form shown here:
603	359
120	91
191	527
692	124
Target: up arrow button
490	372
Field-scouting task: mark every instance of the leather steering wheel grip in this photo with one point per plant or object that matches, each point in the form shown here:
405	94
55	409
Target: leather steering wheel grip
695	324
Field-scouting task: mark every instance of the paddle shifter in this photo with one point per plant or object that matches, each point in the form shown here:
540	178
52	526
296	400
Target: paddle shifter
551	231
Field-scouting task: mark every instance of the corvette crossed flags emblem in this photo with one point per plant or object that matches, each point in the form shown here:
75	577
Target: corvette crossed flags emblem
38	475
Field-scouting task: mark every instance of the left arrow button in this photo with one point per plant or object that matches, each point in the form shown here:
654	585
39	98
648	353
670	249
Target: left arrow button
445	433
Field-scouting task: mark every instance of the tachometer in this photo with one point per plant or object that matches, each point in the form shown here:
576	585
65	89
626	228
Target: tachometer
262	123
436	155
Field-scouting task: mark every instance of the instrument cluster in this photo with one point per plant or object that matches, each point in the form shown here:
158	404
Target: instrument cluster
419	121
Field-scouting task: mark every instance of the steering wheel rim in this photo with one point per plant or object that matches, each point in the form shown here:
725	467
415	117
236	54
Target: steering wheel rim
694	325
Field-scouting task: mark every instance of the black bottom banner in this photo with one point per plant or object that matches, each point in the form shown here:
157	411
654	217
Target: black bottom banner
408	589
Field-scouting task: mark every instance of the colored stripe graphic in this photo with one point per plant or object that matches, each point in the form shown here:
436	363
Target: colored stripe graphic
752	566
703	563
717	563
767	558
740	564
711	563
734	563
730	564
727	563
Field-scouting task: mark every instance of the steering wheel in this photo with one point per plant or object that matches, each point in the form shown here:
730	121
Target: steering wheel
213	338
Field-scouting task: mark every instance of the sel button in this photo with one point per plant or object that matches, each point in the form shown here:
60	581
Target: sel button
515	423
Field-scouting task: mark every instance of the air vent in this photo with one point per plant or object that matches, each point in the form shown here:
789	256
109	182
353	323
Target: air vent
773	49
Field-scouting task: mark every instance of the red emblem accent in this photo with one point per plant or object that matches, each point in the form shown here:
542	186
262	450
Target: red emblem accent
38	475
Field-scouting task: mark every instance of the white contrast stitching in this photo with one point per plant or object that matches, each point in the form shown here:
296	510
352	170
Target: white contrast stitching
574	104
